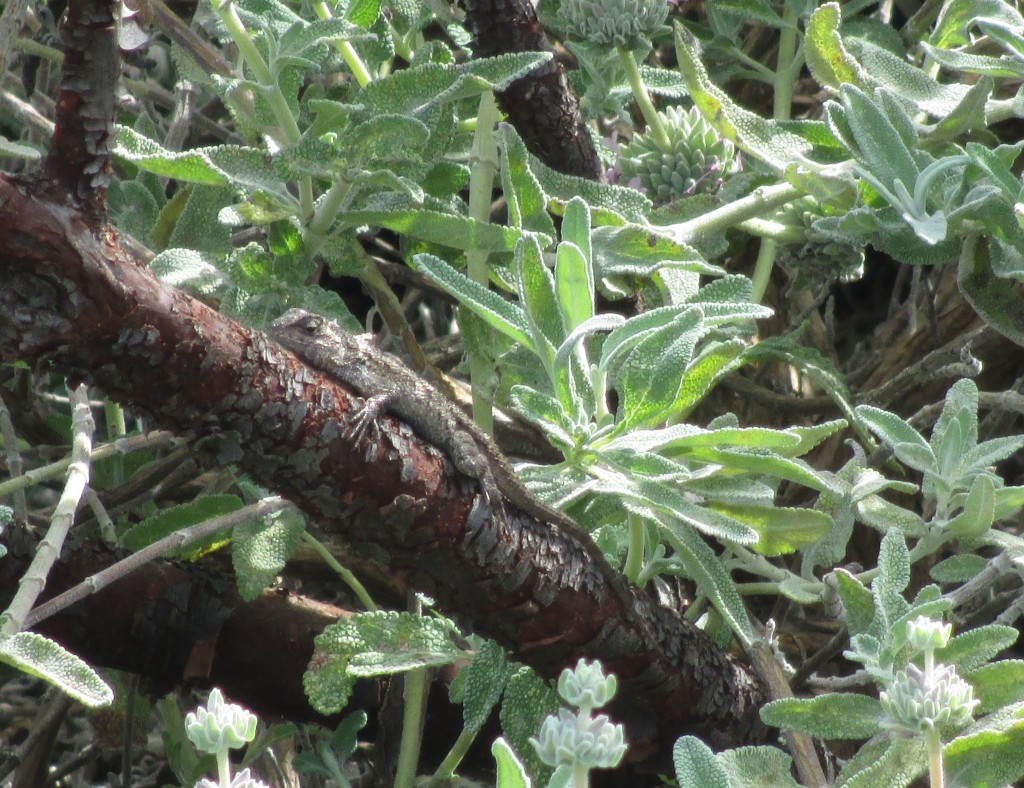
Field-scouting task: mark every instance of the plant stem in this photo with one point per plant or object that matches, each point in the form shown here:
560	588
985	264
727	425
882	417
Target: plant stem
635	551
346	576
759	201
643	98
785	73
483	166
16	617
288	127
446	770
346	50
934	757
409	752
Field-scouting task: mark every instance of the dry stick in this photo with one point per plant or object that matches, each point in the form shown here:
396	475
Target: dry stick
800	745
15	618
55	707
954	359
14	463
175	541
121	446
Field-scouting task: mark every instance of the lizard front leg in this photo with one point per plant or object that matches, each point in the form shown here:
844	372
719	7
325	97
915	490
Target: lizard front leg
363	421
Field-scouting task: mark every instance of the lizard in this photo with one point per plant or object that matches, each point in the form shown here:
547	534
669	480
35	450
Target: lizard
387	385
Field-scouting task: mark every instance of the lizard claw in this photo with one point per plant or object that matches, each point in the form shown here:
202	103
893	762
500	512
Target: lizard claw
363	422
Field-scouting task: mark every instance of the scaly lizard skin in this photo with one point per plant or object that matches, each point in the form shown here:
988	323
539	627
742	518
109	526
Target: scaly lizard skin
387	385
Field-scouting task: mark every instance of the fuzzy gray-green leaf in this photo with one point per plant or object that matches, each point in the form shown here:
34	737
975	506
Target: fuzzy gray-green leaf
696	765
833	715
44	658
502	315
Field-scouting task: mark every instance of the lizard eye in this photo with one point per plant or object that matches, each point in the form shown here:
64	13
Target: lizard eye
311	324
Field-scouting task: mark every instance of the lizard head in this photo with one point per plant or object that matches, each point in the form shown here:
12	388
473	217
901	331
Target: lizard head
299	321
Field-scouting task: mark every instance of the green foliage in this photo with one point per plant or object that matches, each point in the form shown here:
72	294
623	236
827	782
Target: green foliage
45	659
374	644
333	749
177	518
697	766
956	468
611	323
259	550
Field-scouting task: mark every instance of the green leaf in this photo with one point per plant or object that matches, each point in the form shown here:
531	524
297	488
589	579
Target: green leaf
634	250
194	166
528	700
622	340
890	428
967	115
671	504
829	62
752	11
527	208
959	15
374	644
951	446
999	684
893	762
536	286
574	283
499	314
833	715
547	413
650	381
384	138
413	91
17	150
43	658
511	773
893	576
189	270
910	84
680	439
599	323
363	12
917	458
970	650
763	461
884	515
957	568
979	510
696	765
199	226
880	147
304	36
457	232
781	530
857	600
1009	35
611	205
713	363
975	64
259	551
703	566
764	767
177	518
996	164
764	139
990	753
1009	501
961	404
485	680
998	304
